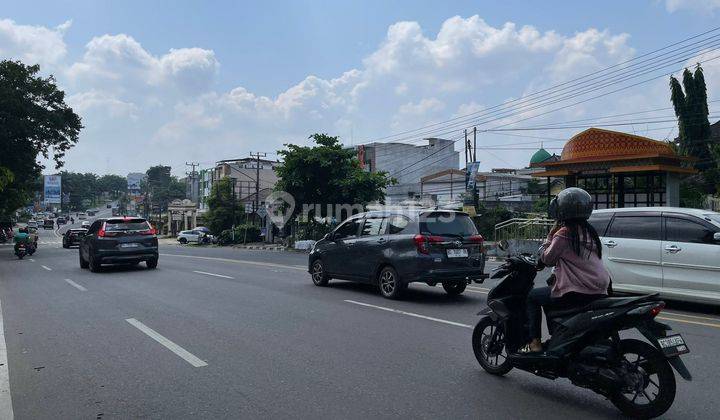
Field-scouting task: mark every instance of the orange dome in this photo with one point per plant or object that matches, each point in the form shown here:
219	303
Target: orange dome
598	144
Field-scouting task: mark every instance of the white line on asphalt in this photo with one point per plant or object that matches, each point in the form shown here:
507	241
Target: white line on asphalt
263	264
6	409
398	311
31	259
690	316
46	267
181	352
213	274
75	285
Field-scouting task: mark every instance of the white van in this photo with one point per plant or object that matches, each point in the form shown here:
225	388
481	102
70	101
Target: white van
668	250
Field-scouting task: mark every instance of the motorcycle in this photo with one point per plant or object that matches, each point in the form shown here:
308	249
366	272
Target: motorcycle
21	251
585	345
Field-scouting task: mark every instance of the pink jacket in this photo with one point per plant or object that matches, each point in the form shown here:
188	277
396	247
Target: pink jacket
574	273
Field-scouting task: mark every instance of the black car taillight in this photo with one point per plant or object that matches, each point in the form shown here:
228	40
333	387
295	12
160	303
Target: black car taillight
422	241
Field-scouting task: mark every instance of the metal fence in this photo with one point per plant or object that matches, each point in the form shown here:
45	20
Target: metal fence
535	229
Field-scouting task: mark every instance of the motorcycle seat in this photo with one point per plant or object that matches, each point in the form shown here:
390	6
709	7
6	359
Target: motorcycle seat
603	303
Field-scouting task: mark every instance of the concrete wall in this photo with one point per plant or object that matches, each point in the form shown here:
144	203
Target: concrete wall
437	156
672	190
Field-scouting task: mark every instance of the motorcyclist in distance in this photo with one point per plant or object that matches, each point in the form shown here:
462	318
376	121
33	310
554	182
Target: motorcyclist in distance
23	237
573	247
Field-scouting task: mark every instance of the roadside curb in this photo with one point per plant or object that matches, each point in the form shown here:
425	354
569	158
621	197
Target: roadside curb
261	247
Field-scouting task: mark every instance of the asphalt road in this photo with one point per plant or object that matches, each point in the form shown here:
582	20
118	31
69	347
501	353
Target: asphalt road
225	333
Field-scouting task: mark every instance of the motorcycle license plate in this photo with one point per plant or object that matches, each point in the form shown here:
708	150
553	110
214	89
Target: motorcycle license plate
129	245
457	253
673	345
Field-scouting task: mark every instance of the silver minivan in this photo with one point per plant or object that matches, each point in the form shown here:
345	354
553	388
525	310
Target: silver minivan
668	250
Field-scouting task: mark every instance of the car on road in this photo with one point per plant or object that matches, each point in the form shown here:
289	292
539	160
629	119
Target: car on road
85	224
394	248
48	224
91	213
119	240
82	216
61	220
72	237
32	223
190	236
108	206
667	250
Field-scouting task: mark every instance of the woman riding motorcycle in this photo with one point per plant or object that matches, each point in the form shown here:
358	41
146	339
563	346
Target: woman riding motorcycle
573	248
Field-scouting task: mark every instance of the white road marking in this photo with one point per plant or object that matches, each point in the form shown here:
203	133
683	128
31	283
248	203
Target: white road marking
75	285
212	274
46	267
181	352
31	259
6	409
262	264
689	316
398	311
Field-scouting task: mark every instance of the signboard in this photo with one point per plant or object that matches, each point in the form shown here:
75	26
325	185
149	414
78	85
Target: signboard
470	172
52	189
248	208
262	212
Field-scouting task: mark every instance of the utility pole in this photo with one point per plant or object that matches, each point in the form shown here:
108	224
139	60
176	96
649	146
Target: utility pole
257	157
474	144
191	178
466	149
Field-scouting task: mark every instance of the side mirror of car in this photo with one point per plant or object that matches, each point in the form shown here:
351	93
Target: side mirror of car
716	237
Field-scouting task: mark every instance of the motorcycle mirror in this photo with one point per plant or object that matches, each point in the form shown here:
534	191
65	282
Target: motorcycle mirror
503	245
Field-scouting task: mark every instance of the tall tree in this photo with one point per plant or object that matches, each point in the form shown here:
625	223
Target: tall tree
112	184
161	188
34	120
327	174
691	108
224	208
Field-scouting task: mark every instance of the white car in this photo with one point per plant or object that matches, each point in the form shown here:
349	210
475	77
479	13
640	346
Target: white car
667	250
186	236
32	224
82	216
85	224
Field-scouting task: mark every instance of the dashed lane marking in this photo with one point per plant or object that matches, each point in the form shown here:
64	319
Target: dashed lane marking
46	267
75	285
258	263
213	274
179	351
398	311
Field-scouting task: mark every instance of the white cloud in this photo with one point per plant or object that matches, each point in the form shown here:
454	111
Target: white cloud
33	44
169	104
707	6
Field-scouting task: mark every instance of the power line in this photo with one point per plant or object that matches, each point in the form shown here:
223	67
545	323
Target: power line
526	98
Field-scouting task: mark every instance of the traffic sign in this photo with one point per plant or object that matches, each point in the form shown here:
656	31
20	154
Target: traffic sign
262	212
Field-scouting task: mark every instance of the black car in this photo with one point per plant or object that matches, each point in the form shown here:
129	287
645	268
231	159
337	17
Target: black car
61	220
48	224
119	240
394	248
72	237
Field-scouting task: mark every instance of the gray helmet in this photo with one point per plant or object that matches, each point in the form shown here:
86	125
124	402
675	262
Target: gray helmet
571	203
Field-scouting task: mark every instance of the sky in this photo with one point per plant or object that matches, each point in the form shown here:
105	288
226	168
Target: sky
170	82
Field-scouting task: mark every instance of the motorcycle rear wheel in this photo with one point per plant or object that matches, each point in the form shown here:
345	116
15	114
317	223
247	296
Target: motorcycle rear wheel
491	354
654	392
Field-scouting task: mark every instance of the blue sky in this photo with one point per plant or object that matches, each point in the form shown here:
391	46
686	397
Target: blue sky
241	79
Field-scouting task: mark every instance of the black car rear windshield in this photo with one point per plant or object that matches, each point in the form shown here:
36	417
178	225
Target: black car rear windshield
118	225
447	224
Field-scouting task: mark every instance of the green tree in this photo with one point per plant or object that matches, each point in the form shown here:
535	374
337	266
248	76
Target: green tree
691	109
161	188
327	174
224	210
81	189
112	184
34	120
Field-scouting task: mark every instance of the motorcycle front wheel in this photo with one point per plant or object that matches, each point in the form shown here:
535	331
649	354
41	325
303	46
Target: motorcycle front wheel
488	341
650	389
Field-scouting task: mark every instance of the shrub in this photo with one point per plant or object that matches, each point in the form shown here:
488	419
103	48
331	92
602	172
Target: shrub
243	233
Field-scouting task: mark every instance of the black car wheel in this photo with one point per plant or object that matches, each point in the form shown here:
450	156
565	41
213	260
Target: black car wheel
151	264
182	241
317	272
454	288
83	263
94	264
390	285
